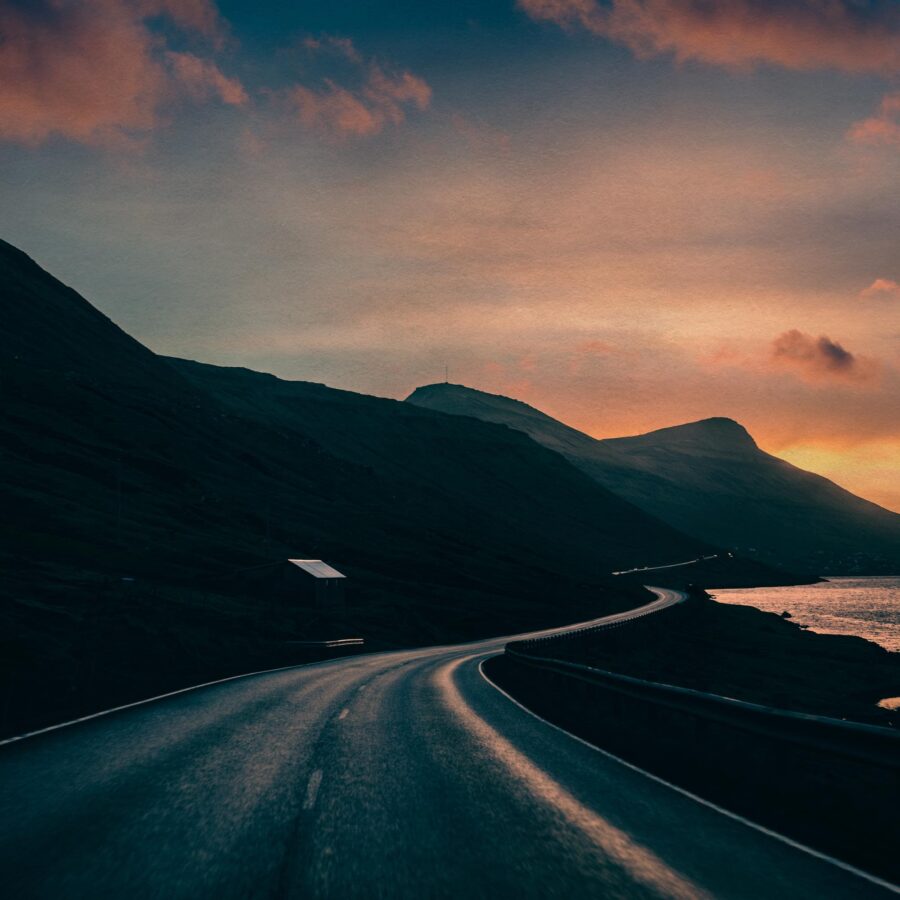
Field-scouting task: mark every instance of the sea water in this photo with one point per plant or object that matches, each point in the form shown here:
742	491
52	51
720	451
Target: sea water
868	607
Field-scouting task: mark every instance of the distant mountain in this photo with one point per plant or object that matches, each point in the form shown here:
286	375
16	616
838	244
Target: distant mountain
471	488
710	479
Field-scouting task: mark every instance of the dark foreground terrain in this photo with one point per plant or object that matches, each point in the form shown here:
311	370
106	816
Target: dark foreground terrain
825	773
147	505
401	774
742	652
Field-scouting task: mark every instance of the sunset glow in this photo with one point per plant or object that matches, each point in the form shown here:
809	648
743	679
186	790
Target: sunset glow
629	214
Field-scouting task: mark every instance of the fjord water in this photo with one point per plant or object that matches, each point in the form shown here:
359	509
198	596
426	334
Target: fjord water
867	607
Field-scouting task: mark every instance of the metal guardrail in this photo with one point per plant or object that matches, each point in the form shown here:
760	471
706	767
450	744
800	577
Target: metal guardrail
608	623
337	642
677	565
830	784
871	744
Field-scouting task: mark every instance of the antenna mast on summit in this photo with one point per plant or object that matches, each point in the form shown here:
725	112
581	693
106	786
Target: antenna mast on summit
446	375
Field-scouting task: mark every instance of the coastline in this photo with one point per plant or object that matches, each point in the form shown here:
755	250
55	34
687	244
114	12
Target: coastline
860	606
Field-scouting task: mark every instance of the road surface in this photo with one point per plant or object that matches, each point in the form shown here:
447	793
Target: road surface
403	774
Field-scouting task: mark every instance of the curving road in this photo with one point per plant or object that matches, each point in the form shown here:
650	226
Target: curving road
402	774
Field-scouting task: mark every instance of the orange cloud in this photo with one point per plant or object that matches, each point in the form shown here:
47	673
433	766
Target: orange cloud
203	79
882	287
336	110
95	72
381	99
883	127
796	34
817	359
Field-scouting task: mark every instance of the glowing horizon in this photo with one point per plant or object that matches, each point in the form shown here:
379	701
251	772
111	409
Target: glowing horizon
629	214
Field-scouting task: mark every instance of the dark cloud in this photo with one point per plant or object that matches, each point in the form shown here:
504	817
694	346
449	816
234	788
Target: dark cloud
818	358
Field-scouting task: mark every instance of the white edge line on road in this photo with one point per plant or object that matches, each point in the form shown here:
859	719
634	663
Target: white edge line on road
818	854
106	712
312	789
196	687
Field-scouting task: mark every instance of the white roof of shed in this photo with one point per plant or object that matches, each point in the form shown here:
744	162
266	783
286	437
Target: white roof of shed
317	568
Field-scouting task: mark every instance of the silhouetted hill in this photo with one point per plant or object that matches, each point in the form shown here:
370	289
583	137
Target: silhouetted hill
711	479
48	327
474	483
140	496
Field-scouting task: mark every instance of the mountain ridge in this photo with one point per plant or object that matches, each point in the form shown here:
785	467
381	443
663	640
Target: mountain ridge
148	502
722	425
700	473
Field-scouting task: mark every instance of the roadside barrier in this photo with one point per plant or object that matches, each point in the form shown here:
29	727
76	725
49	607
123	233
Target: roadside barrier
831	784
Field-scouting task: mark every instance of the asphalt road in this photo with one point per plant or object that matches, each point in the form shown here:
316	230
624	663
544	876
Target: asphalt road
401	774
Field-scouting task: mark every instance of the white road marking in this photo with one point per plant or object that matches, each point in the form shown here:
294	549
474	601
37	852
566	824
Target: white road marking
487	643
344	714
312	789
643	865
106	712
873	879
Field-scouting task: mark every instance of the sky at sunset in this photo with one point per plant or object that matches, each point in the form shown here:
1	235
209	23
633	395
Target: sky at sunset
630	213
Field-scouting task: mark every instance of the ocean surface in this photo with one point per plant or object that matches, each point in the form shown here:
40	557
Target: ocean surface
868	607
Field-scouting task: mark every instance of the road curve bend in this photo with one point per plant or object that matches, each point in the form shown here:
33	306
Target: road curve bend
404	774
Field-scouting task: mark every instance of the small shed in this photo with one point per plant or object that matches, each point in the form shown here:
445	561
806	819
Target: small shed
313	582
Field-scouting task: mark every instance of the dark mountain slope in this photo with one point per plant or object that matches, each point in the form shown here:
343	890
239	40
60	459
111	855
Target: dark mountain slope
127	462
461	481
48	327
136	491
711	479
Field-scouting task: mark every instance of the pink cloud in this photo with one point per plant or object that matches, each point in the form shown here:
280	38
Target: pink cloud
819	359
883	127
381	99
389	91
882	287
795	34
335	109
339	45
97	72
203	79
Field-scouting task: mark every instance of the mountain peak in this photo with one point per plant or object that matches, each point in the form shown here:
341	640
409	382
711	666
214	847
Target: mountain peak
717	431
462	400
447	388
49	327
722	425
